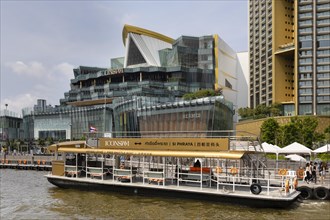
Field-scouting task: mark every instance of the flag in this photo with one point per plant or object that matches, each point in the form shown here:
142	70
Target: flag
92	129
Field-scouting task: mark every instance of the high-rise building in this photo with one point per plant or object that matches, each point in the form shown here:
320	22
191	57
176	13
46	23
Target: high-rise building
289	46
143	90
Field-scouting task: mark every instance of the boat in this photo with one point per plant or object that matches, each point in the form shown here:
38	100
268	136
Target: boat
215	168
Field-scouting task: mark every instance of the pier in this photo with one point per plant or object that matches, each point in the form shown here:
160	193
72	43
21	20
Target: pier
27	162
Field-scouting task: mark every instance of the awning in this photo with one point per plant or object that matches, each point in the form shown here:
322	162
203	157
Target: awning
68	144
193	154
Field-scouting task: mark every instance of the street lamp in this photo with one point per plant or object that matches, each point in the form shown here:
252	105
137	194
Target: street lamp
6	109
70	131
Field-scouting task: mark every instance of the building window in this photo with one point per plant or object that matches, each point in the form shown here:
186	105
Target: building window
306	44
305	109
324	43
325	98
228	84
323	109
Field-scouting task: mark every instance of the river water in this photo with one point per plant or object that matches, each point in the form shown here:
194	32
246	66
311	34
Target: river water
28	195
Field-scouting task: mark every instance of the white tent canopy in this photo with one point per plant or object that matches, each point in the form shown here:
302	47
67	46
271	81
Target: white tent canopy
295	157
295	148
324	149
269	148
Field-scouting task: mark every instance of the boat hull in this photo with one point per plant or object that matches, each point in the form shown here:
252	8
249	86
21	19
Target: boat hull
160	191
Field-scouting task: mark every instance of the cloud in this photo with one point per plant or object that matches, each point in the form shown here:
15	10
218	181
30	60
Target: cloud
32	69
36	69
38	81
17	103
62	70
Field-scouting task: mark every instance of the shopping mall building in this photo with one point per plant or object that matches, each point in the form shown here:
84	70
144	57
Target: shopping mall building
142	91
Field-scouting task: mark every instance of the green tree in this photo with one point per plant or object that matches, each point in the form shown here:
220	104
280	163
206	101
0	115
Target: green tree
276	109
289	133
50	140
327	134
188	96
41	142
245	112
262	110
202	93
301	130
308	127
269	130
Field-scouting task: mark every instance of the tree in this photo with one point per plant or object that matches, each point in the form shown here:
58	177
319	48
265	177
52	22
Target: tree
269	130
41	142
308	127
302	130
245	112
275	109
289	133
202	93
327	134
262	110
50	140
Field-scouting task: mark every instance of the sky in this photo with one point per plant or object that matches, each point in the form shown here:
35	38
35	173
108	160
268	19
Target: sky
42	41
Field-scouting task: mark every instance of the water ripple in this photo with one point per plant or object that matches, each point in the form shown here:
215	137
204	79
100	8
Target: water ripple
28	195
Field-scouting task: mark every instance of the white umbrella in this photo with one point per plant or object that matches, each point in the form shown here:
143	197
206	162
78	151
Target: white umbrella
295	148
269	148
295	157
324	149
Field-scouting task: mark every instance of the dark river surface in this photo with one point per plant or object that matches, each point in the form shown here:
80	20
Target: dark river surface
28	195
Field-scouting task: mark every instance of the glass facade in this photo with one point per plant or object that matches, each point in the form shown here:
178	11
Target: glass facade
139	97
310	91
65	123
313	51
140	115
261	52
10	128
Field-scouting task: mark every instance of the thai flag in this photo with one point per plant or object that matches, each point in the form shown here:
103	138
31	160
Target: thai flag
92	129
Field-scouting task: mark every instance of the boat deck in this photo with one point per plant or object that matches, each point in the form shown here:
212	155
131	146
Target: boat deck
225	189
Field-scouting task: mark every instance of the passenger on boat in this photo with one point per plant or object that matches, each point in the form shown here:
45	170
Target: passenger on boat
197	164
323	169
308	173
314	172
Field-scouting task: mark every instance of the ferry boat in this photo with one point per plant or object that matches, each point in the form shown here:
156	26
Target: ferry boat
225	169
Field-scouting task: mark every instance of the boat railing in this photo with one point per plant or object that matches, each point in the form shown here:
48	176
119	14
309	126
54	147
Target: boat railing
154	176
72	171
192	177
121	174
267	184
96	172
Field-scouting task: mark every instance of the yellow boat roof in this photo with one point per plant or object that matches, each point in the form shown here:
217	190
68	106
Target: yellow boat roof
160	153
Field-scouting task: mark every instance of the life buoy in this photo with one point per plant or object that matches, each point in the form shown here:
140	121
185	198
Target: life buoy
287	185
295	183
300	173
321	193
305	192
282	172
43	162
233	170
24	161
255	188
218	170
19	161
38	161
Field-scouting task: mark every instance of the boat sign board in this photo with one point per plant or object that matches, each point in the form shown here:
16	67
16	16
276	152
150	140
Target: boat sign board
195	144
